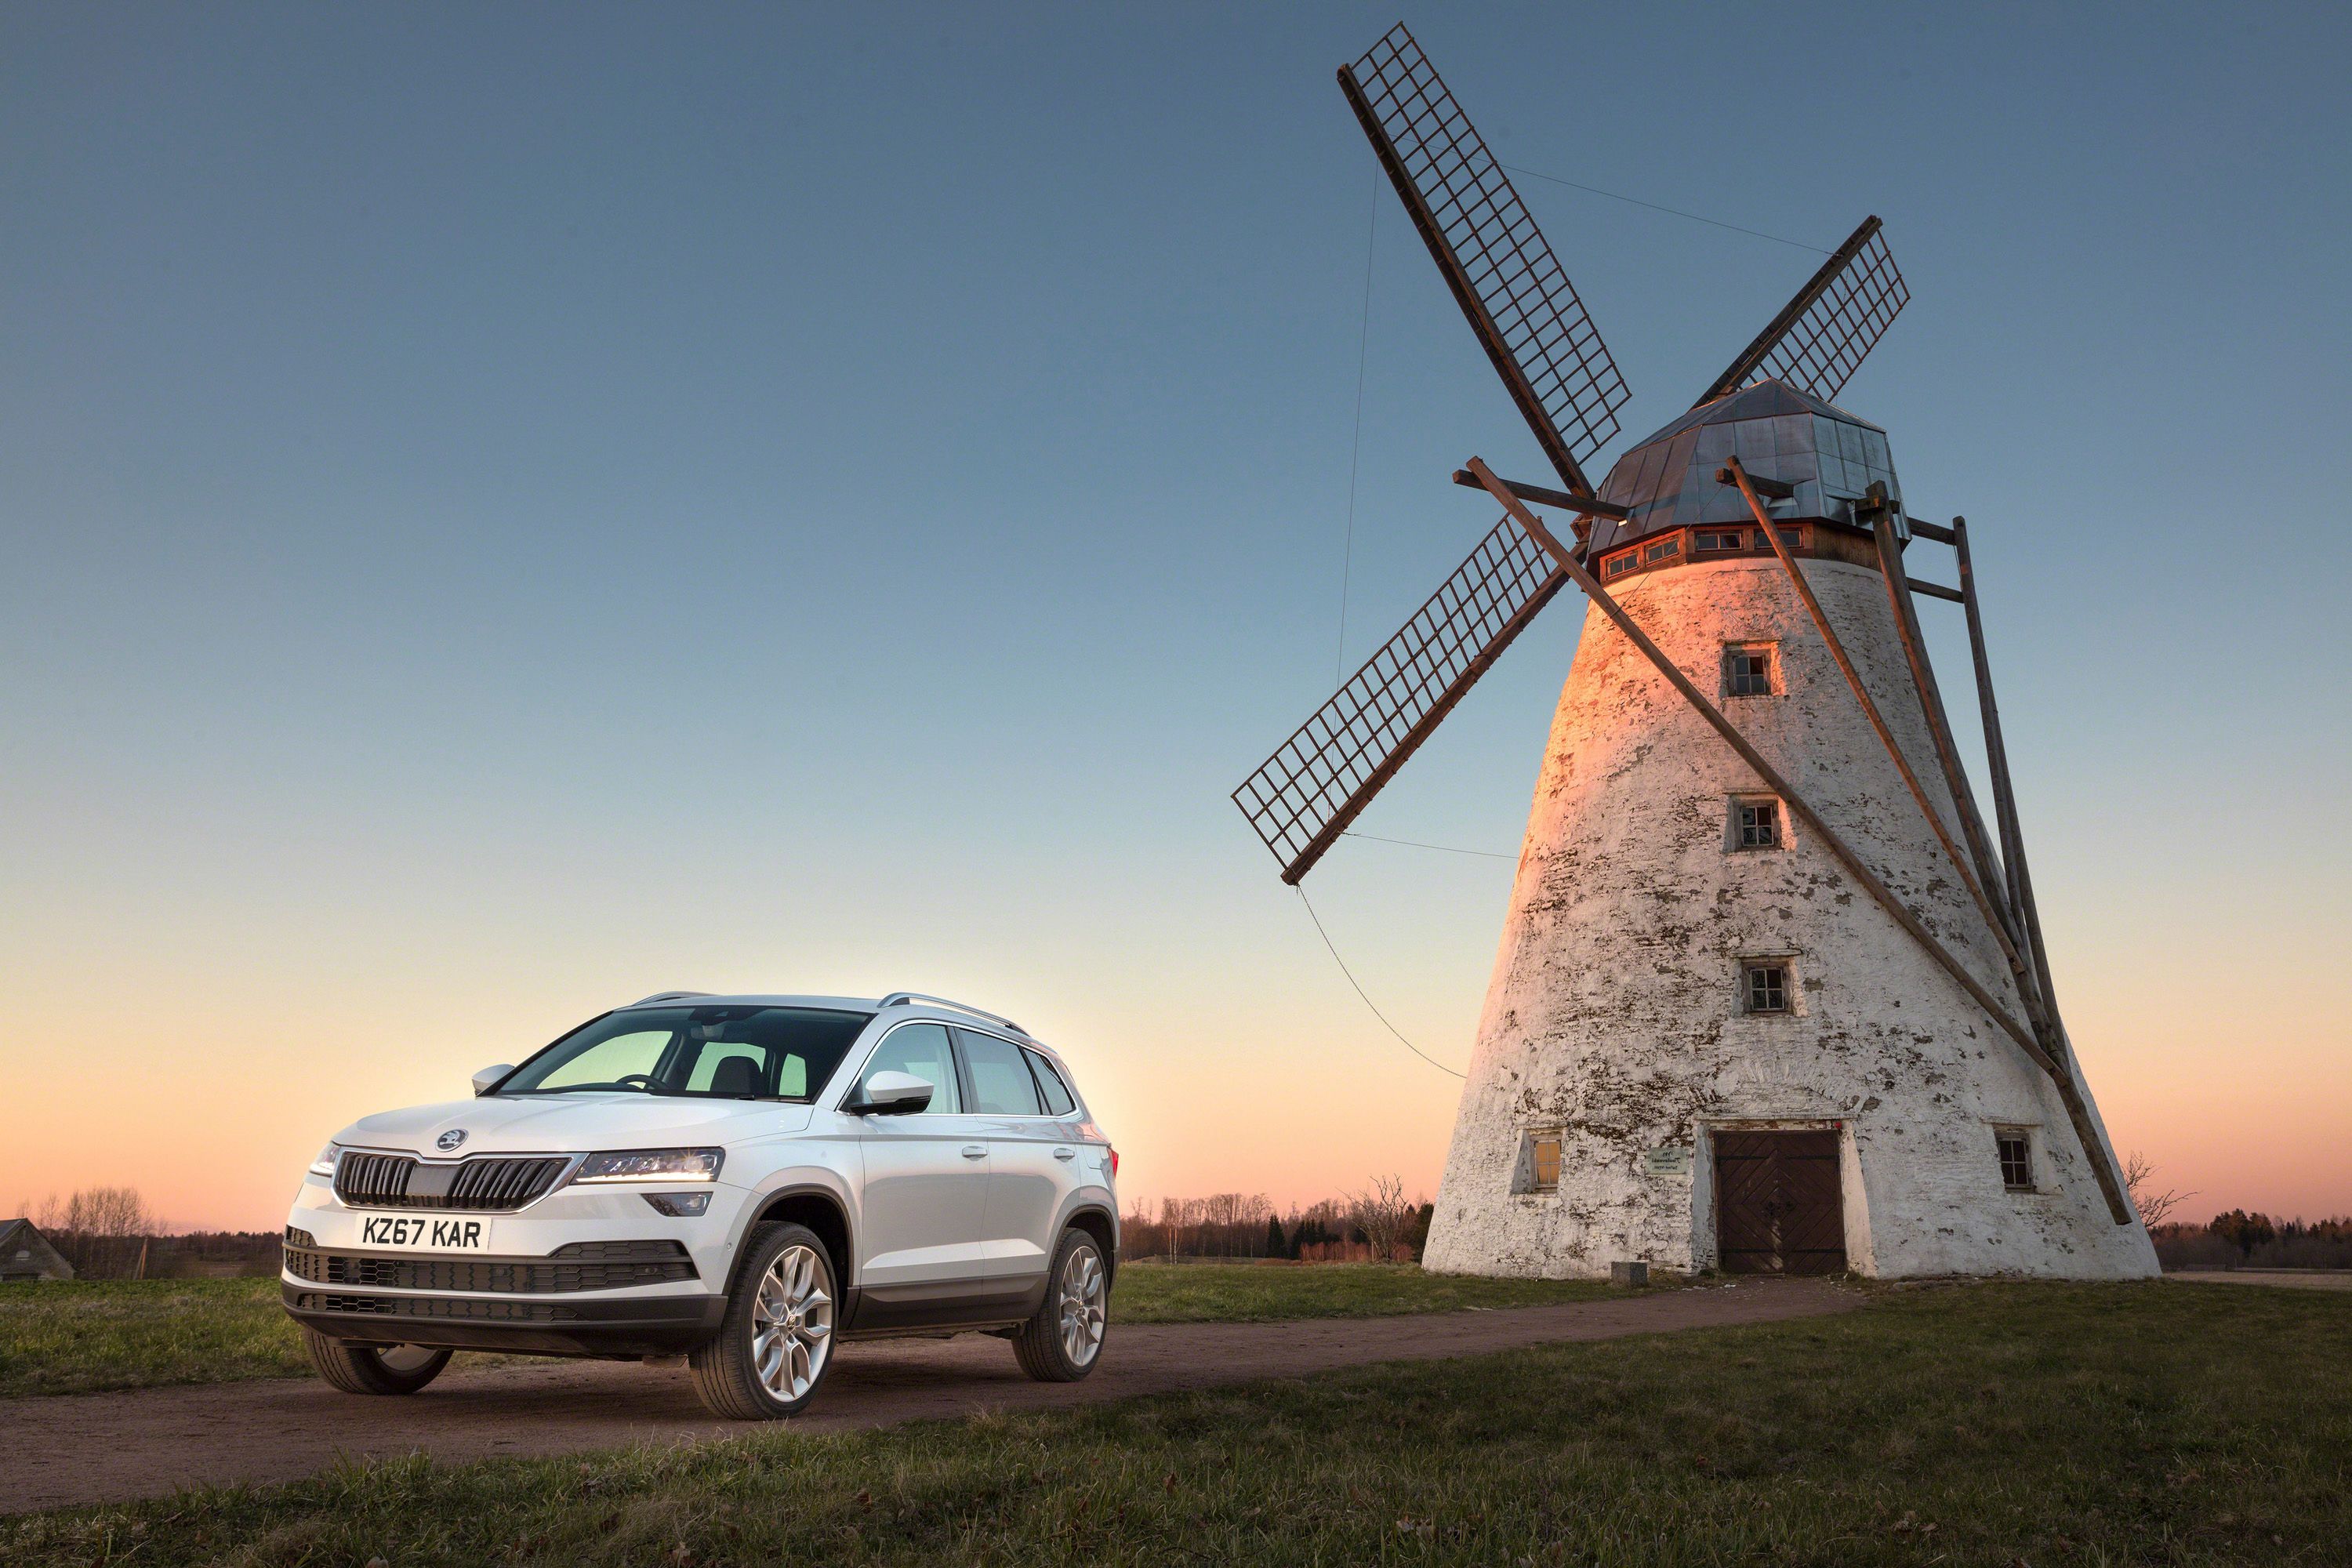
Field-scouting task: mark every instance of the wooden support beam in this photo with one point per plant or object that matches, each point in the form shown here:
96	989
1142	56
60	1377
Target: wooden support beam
1937	591
2026	991
2004	797
1829	837
1778	489
1588	505
1926	530
1931	705
2055	1058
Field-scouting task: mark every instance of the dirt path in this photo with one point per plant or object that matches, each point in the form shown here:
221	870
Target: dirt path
103	1448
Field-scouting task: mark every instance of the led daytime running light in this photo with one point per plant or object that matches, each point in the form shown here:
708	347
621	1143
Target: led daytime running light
651	1166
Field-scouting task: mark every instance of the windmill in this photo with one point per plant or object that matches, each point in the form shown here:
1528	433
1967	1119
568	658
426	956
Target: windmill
1768	997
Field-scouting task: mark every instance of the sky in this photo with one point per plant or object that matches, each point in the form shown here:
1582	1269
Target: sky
509	509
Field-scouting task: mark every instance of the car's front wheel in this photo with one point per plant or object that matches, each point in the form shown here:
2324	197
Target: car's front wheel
372	1369
1063	1340
776	1341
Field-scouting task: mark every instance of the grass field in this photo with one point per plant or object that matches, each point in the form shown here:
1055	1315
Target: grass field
1994	1424
73	1337
80	1337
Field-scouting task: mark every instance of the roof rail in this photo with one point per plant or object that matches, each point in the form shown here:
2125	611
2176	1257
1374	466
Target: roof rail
668	996
896	997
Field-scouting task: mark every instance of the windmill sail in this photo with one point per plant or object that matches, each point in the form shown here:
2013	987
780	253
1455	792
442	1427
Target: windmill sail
1502	272
1304	796
1821	337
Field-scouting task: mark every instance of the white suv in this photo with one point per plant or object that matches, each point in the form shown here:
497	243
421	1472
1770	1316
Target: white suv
743	1180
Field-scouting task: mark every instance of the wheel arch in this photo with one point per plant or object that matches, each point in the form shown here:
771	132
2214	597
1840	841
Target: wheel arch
1103	1225
823	1211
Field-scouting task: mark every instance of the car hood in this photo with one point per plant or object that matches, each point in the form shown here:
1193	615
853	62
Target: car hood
572	1123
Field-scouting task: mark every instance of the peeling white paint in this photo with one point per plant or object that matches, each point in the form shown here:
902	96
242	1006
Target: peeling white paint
1614	1018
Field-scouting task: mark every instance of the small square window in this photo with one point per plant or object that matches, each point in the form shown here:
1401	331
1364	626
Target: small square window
1624	563
1547	1164
1760	824
1766	987
1718	539
2016	1151
1748	672
1662	549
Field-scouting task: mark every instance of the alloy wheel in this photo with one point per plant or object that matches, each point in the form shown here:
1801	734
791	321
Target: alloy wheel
1083	1296
792	1324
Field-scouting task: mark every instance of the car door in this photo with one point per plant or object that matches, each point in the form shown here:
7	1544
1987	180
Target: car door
926	1199
1031	1156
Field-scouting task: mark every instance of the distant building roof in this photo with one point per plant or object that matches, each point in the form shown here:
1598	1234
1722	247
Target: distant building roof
1777	432
40	1260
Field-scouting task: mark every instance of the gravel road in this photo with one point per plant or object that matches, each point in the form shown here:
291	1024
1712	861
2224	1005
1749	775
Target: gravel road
82	1448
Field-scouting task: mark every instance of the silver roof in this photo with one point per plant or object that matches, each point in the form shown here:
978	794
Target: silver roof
1777	433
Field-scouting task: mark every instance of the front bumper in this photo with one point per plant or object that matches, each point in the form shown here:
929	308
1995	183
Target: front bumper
583	1271
544	1325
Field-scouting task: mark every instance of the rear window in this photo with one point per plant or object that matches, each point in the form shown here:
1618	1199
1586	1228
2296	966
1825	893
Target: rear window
710	1052
1058	1101
1001	1084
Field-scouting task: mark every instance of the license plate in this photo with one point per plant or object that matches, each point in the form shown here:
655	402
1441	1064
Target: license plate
419	1234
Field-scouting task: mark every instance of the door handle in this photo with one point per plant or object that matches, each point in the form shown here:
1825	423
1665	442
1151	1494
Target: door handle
975	1150
1065	1153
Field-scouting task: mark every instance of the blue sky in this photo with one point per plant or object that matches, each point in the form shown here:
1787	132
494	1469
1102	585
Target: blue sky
506	511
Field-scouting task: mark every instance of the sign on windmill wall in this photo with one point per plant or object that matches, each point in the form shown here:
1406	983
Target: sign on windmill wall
1670	1159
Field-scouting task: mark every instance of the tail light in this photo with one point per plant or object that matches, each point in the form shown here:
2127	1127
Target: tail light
1114	1165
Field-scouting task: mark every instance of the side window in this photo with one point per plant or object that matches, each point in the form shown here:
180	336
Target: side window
1057	1093
921	1049
1001	1084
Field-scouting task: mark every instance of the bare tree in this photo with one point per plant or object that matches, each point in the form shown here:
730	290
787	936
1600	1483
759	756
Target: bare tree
1382	1215
2155	1207
102	1230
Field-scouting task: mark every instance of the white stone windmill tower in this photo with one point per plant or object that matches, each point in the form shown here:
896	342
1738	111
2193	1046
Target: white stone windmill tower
1768	997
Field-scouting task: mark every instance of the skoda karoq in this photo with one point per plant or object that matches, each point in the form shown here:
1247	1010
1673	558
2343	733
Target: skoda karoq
744	1180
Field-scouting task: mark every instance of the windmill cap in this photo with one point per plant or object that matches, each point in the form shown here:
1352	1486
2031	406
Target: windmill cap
1777	432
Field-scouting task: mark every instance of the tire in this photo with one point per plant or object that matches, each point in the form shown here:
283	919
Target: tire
784	1301
1064	1340
372	1369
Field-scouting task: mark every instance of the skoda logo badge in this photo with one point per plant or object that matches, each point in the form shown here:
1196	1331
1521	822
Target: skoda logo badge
450	1140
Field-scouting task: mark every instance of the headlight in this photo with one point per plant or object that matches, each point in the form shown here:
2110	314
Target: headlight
324	1165
653	1166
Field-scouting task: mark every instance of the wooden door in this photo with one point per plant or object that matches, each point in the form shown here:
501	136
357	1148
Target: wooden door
1777	1204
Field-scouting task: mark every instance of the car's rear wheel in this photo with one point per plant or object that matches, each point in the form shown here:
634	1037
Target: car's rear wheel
775	1343
1064	1340
372	1369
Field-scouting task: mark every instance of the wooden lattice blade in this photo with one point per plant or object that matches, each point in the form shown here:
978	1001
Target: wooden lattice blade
1304	796
1822	336
1510	285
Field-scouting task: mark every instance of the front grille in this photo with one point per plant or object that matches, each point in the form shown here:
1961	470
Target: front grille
438	1307
487	1184
298	1237
611	1266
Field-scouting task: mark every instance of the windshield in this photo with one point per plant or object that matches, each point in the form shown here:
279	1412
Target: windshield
723	1053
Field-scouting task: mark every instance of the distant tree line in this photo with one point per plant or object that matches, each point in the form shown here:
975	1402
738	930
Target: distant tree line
109	1233
1376	1224
2238	1239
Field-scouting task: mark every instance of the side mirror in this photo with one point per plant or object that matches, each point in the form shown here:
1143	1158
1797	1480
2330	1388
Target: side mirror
488	1079
891	1094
